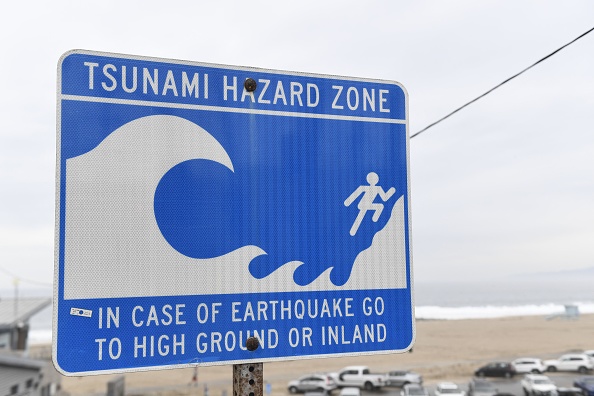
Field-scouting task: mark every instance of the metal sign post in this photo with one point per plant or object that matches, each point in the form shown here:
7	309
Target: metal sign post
248	379
199	206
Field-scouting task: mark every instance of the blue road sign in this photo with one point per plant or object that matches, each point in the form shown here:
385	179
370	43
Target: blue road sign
194	213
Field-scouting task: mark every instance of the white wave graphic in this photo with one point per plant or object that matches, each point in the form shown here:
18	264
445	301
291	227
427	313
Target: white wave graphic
114	247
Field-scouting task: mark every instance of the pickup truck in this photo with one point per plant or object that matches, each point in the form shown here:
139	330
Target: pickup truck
358	376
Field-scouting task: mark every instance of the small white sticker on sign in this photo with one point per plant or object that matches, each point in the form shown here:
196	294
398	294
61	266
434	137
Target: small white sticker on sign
87	313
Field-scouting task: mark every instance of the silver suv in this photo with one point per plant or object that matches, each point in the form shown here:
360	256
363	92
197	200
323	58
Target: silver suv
481	387
538	385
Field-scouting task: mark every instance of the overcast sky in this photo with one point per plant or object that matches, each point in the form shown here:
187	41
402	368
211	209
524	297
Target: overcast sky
504	187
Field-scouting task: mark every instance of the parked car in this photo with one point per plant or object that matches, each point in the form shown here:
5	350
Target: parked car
448	389
358	376
590	353
496	369
413	390
569	391
570	362
529	365
312	383
586	384
538	385
481	387
402	377
350	391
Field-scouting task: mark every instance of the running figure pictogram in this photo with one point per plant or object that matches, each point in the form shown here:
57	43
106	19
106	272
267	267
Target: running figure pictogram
366	203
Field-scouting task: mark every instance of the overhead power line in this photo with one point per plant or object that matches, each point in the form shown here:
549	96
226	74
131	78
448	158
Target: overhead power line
21	279
500	84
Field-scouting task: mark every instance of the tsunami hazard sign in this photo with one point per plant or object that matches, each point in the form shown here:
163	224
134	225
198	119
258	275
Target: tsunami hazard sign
201	205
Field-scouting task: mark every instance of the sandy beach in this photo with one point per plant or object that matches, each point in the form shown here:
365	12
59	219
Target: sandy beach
449	350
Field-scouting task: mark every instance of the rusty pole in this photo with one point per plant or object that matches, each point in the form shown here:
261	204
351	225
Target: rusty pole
248	379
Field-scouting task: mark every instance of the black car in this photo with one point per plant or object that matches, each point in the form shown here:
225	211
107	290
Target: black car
496	369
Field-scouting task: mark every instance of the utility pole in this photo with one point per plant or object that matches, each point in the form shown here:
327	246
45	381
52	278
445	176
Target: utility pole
16	297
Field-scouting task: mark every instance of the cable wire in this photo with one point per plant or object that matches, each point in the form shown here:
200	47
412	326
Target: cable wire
500	84
21	279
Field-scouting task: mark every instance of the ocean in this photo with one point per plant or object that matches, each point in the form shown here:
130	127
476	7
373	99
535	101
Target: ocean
446	301
501	298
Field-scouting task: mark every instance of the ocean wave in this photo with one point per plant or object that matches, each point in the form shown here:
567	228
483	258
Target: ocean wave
40	336
493	311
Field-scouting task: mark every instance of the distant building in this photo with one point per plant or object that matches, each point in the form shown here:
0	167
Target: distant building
22	376
19	374
14	321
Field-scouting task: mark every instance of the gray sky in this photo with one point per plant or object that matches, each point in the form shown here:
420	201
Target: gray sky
504	187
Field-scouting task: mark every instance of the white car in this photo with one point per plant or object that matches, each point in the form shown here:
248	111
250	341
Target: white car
448	389
570	362
538	385
400	378
312	383
529	365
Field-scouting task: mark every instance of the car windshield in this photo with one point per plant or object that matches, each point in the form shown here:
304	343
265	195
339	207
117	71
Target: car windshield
416	391
449	390
542	381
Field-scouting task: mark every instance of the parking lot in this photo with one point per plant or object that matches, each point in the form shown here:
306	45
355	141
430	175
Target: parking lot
509	386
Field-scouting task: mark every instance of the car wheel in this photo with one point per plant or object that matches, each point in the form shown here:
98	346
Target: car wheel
507	375
293	389
582	370
368	386
526	393
480	374
535	371
551	369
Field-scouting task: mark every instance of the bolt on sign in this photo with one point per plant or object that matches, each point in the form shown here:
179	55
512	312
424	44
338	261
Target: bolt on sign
201	205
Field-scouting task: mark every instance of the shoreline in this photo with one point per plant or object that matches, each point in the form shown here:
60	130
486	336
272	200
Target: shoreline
443	349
